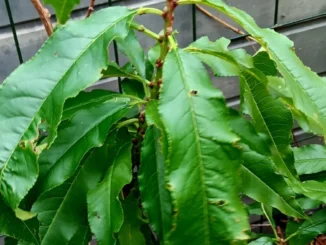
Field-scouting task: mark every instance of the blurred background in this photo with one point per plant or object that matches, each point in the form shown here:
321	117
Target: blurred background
303	21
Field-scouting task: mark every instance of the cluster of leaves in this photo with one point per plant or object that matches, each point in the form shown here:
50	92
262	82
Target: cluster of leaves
166	161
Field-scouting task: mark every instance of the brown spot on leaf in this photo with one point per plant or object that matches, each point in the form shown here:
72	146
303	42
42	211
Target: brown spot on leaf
194	92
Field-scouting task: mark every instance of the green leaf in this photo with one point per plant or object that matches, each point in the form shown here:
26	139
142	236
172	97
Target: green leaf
130	232
105	214
315	190
18	174
113	70
263	241
255	209
277	88
310	159
310	229
10	241
307	203
130	47
81	237
263	63
261	183
13	227
64	66
201	157
308	97
85	101
156	199
133	88
154	54
62	8
257	142
216	55
59	162
259	178
272	118
62	212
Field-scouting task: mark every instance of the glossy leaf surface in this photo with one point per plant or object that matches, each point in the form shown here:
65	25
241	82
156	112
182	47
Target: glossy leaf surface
62	212
310	159
156	199
271	118
105	214
308	97
63	67
84	101
59	163
63	8
130	47
263	241
201	158
15	228
216	55
311	228
130	232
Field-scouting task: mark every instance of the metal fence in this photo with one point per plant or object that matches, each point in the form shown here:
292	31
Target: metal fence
303	21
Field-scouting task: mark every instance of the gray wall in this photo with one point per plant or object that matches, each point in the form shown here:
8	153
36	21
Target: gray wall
293	18
303	21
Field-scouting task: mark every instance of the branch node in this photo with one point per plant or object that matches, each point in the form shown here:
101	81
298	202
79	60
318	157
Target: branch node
44	15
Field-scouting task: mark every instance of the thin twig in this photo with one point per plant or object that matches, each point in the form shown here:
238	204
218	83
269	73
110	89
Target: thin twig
227	25
90	8
44	15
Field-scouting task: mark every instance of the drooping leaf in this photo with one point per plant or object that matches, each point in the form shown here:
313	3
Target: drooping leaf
271	118
85	100
201	157
156	199
62	8
130	232
277	88
308	97
64	66
18	174
127	71
261	183
13	227
81	237
263	241
310	159
105	214
315	190
257	142
62	211
216	55
310	229
263	63
86	130
258	171
130	47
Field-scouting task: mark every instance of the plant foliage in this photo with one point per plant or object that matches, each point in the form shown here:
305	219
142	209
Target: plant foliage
165	160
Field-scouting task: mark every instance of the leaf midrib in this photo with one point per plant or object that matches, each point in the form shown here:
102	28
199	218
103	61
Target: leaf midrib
205	208
96	124
265	125
72	65
268	187
62	204
157	147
